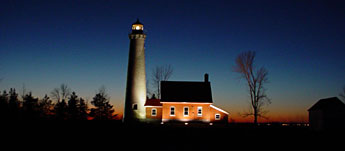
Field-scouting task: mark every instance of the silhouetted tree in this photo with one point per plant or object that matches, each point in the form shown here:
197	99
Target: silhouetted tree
256	78
4	109
148	88
61	93
103	109
83	109
161	73
31	109
77	108
23	90
55	94
73	106
14	105
60	110
46	107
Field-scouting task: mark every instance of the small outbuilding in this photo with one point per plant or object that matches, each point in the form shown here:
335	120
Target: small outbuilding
327	114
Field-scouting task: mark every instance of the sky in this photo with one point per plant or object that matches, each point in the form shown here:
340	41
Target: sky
85	45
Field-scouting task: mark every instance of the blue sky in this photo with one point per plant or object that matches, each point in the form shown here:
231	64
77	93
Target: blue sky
85	45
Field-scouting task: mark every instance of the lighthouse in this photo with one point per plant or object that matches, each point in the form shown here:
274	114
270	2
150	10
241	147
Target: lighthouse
136	80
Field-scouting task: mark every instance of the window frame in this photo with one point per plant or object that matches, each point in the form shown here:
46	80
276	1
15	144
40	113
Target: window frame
199	107
215	116
172	107
154	109
184	111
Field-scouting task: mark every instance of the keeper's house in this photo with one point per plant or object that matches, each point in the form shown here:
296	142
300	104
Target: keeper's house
185	102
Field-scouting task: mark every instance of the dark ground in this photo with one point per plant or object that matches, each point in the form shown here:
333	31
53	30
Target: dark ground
116	136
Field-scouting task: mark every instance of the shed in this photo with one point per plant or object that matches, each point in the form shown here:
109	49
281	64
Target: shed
327	114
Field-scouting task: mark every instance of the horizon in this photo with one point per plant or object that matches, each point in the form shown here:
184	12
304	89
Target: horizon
85	45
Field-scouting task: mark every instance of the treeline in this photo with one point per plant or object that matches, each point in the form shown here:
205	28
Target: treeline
66	106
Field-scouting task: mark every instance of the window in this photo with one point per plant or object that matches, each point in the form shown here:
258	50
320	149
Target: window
172	111
185	111
135	106
217	116
199	111
154	112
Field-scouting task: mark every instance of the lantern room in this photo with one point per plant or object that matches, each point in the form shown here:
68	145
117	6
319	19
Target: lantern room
137	27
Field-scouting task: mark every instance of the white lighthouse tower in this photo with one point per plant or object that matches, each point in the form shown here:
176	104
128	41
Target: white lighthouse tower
136	80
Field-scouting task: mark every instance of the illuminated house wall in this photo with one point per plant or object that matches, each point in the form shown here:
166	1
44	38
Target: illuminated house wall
153	104
191	114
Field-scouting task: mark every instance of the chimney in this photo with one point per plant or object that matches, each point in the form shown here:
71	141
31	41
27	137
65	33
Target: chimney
206	77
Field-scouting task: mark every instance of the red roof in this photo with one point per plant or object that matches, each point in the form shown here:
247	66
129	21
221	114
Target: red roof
153	102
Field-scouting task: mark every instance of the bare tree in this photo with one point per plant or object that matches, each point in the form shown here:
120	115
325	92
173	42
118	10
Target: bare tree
342	94
256	78
148	89
65	91
55	94
61	93
161	73
23	90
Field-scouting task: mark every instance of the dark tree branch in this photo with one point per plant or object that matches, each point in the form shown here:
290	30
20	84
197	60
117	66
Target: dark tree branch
61	93
161	73
255	81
